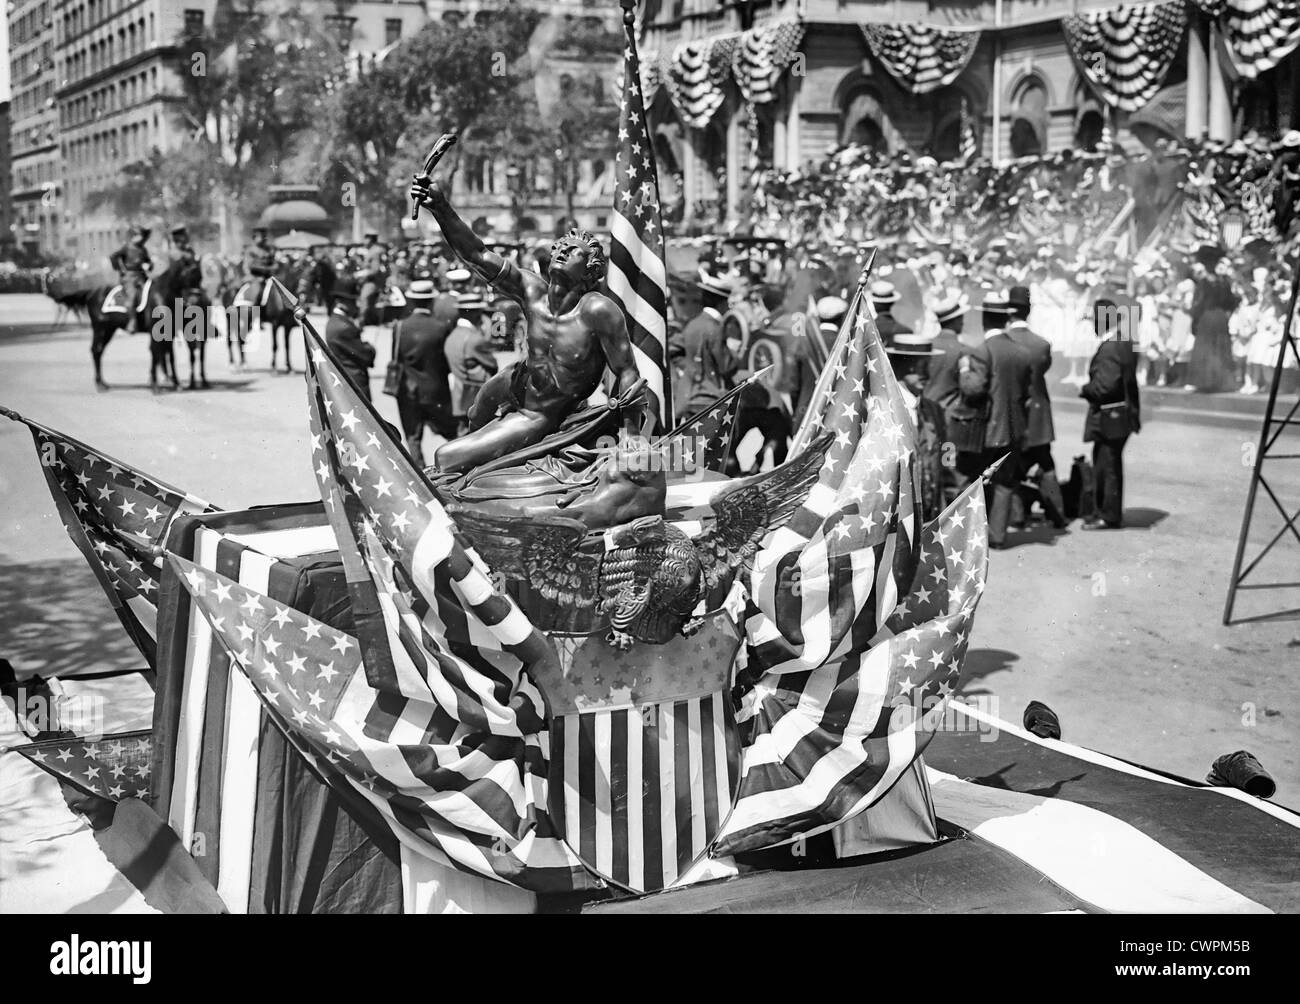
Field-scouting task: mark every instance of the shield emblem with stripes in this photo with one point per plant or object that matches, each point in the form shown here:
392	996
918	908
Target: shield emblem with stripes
644	751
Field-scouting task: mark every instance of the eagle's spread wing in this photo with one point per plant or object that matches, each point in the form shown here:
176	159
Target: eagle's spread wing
545	554
744	517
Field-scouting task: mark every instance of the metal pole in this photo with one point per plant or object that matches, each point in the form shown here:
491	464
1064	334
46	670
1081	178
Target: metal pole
1263	445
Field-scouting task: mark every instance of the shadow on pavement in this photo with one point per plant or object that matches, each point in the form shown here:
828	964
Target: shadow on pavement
56	620
1143	519
982	662
1040	533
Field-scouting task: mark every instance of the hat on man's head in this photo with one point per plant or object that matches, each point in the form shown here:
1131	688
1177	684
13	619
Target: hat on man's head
421	289
1018	298
883	292
951	306
831	308
1291	139
1208	255
345	287
471	301
912	343
459	275
368	234
180	230
995	303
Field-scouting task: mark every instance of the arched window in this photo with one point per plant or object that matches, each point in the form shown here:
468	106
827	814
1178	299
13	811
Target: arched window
1029	118
862	120
1087	133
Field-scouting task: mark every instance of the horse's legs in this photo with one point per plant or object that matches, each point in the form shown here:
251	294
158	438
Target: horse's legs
288	364
275	344
100	334
203	363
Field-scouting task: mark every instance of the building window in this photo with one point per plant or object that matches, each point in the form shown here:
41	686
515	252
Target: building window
392	30
194	22
1029	119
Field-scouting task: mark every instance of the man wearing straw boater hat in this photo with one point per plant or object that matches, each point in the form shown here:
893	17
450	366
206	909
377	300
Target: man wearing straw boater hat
910	355
423	388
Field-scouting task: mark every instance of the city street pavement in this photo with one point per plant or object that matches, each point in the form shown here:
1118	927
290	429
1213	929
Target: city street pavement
1119	632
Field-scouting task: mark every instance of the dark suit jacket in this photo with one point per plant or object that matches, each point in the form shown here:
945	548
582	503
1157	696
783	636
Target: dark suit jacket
707	364
421	344
1038	421
1112	377
944	386
888	327
1010	370
355	357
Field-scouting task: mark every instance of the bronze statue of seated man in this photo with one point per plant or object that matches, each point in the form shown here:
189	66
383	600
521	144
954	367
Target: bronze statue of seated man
574	333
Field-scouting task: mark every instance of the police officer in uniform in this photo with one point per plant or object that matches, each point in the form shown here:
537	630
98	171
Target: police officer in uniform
704	364
132	263
259	265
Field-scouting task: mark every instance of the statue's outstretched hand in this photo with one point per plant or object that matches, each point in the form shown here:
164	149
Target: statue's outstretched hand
426	192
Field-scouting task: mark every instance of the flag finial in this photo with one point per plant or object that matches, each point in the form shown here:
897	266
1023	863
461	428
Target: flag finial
866	268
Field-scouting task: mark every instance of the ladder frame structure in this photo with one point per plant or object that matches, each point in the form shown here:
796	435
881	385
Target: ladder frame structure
1272	429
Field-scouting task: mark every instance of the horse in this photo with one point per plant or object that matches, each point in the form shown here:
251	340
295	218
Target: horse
274	309
220	291
162	293
315	280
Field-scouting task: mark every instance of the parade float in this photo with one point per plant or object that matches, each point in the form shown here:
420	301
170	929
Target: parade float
575	667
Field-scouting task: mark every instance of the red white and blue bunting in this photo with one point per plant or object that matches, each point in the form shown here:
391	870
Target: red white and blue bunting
921	58
696	77
1125	53
761	56
1259	33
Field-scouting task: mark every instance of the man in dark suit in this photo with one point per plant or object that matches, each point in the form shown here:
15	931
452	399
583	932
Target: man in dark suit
958	383
1114	413
1039	430
883	298
424	393
703	361
910	357
1008	401
355	357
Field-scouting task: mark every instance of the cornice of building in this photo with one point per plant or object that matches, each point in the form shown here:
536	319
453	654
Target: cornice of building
162	53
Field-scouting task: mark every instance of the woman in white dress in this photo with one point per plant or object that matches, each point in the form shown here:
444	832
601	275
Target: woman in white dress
1178	348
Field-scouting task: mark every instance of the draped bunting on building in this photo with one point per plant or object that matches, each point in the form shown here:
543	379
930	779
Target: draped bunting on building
920	57
761	56
1125	53
1259	33
696	75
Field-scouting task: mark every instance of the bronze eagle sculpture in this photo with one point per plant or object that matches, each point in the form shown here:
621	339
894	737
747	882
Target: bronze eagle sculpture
642	580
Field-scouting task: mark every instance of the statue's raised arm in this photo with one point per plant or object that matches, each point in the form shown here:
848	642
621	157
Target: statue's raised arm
489	266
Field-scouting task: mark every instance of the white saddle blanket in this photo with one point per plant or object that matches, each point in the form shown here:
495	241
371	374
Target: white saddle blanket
115	304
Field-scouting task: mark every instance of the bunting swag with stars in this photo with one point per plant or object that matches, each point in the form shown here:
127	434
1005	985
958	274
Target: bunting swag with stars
1125	53
638	278
761	56
695	76
921	58
119	519
821	589
446	713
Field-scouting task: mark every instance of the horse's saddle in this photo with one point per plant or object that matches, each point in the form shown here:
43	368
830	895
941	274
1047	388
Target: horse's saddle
115	301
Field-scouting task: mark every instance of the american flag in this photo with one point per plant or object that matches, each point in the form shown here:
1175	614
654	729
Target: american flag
637	277
447	712
707	435
113	768
119	519
821	589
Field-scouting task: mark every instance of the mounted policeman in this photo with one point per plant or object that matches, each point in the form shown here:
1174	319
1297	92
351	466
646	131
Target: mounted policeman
259	265
133	265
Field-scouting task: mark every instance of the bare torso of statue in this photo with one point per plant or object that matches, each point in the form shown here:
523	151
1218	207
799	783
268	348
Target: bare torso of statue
574	333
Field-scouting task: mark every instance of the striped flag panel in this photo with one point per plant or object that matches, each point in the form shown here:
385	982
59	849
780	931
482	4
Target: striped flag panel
645	789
